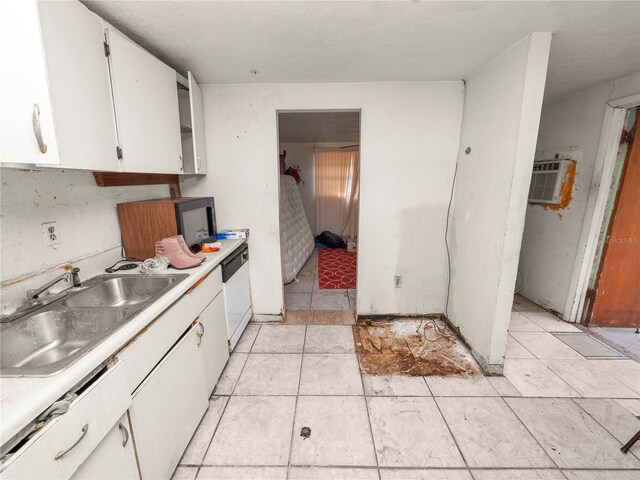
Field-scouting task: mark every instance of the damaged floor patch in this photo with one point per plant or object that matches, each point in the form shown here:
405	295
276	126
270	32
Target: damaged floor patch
411	348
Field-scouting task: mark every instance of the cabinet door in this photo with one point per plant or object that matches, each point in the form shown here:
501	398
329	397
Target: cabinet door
214	343
146	103
168	407
80	87
197	126
114	458
66	441
26	106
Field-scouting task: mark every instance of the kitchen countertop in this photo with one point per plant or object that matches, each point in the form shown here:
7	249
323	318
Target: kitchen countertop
22	399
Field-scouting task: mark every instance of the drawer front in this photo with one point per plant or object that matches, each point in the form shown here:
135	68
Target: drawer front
201	295
168	407
81	426
148	348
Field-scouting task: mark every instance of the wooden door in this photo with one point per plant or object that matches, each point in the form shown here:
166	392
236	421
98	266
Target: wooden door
146	102
617	298
80	87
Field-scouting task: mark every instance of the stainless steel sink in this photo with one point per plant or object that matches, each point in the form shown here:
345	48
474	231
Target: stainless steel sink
51	339
121	291
47	342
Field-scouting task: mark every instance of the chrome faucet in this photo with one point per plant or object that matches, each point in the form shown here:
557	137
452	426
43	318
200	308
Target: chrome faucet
34	295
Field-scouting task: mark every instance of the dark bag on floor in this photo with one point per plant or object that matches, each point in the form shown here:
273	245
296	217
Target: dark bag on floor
331	240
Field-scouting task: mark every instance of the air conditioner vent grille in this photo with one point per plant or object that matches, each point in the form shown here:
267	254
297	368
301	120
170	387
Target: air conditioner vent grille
546	181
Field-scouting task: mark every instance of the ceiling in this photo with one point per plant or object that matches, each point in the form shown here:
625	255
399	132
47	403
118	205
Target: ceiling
367	41
319	127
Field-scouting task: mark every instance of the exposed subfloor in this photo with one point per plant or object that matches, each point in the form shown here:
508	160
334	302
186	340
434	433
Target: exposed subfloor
554	415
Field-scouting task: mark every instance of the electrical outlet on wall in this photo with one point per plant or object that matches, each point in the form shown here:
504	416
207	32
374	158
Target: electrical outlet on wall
51	234
397	281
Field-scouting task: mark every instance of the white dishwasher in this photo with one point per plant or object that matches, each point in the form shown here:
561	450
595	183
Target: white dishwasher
237	294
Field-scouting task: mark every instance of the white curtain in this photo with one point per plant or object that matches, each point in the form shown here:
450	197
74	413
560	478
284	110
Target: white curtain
337	179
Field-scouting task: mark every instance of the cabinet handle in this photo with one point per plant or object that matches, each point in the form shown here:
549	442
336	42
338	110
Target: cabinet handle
125	432
35	120
199	164
200	334
59	455
181	163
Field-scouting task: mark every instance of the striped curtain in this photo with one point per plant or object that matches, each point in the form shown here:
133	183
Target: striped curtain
337	178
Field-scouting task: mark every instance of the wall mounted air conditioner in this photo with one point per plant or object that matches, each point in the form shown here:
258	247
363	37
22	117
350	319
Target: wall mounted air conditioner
546	181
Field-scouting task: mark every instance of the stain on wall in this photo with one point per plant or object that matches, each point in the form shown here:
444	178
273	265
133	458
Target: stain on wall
85	214
566	190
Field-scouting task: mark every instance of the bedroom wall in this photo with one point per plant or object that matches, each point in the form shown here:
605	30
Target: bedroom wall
409	141
301	154
500	125
554	241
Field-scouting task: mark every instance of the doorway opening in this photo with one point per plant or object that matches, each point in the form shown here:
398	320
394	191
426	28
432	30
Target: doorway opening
319	164
603	279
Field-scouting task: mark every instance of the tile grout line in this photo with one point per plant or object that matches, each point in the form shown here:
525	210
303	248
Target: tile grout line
424	379
244	365
601	425
224	409
529	431
371	467
254	339
556	375
452	436
366	406
295	408
516	340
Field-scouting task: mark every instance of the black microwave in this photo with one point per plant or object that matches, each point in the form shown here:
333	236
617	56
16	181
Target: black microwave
144	223
196	221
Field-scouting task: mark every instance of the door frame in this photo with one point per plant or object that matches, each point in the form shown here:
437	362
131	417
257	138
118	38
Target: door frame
314	110
597	201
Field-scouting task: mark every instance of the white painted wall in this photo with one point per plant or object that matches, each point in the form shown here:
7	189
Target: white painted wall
85	213
500	124
409	142
553	244
301	154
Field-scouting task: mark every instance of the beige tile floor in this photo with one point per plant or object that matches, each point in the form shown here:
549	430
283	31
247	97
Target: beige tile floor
553	415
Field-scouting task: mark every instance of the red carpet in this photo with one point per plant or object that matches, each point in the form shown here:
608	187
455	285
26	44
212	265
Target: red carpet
336	269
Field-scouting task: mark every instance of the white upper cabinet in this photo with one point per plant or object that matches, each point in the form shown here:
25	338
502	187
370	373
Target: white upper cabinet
197	125
27	129
191	125
79	86
146	105
78	94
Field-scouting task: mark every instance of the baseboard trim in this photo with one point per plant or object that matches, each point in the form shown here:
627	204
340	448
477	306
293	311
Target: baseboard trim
266	318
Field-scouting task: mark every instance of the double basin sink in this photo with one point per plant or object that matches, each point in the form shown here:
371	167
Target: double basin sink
50	339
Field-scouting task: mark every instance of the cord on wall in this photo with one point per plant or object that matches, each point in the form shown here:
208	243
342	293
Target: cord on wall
446	230
446	242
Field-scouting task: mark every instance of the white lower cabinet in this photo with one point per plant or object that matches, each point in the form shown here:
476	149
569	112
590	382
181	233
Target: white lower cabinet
114	458
68	440
168	406
215	347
